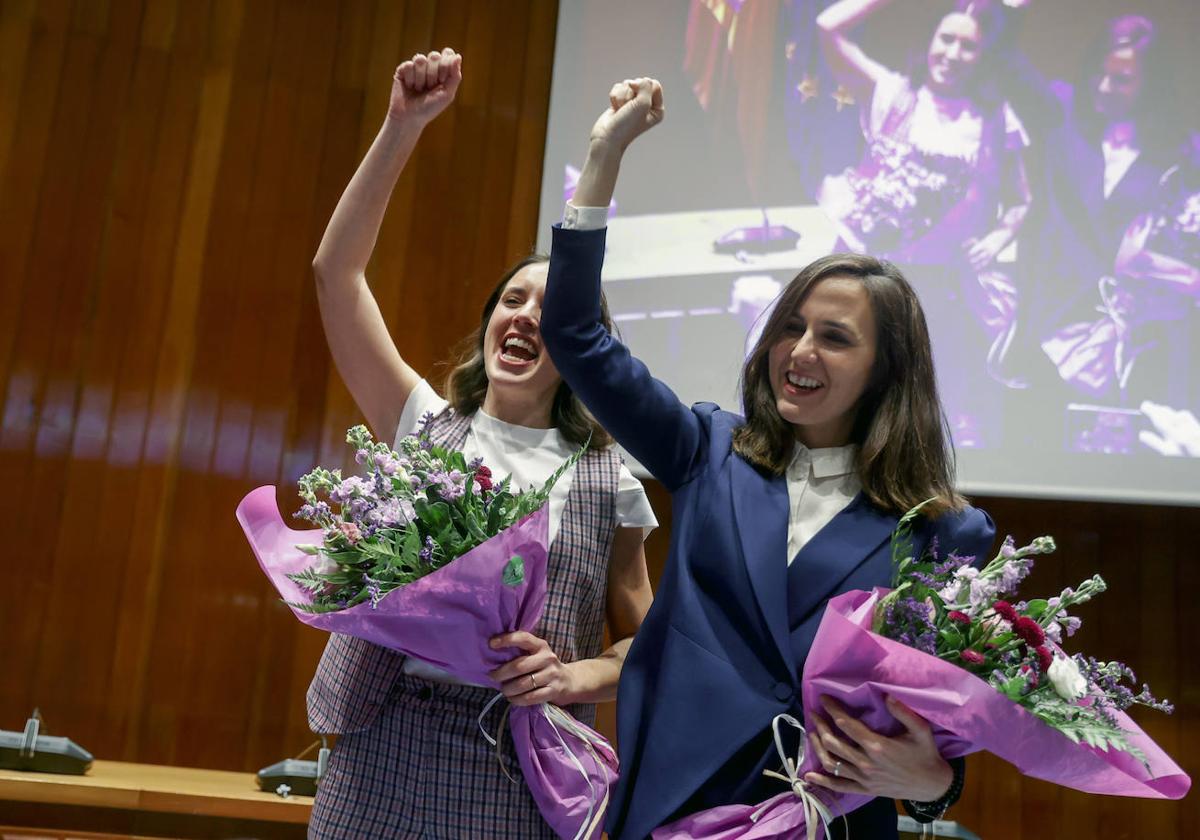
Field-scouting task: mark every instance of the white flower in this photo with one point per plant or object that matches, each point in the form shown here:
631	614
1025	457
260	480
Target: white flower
1066	678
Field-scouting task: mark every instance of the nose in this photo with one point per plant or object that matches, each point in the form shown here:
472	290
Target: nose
805	349
529	314
952	51
1105	85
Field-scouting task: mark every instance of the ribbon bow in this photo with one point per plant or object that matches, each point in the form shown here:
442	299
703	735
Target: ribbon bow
814	808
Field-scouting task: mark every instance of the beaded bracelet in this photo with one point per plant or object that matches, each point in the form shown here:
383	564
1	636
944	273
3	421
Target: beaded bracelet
927	812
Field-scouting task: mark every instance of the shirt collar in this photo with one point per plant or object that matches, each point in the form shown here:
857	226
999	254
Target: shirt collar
824	463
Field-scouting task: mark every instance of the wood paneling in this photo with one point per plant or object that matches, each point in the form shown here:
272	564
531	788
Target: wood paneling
167	168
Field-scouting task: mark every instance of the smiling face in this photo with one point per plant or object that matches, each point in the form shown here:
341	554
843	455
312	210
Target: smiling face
954	54
821	364
514	358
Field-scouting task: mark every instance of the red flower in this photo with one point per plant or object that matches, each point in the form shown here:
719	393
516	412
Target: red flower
972	657
1045	657
1005	610
483	477
958	617
1029	631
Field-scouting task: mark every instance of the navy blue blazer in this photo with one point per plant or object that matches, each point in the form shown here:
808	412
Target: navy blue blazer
722	649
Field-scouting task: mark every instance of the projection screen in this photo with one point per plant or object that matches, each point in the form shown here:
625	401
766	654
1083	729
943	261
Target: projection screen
1042	193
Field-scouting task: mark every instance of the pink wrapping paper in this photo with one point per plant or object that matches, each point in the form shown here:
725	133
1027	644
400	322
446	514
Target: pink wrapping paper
447	618
859	668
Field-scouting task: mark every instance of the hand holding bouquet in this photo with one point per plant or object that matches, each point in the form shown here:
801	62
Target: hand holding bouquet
425	555
953	644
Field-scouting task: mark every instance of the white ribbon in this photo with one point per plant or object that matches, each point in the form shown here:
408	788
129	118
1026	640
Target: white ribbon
495	742
559	721
556	717
814	808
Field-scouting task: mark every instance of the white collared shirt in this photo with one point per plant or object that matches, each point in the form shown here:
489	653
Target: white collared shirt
820	484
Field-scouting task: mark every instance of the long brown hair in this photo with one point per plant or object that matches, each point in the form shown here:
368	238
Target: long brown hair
466	382
904	455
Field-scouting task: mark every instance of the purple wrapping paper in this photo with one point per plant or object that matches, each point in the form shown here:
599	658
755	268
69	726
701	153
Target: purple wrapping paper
860	668
447	618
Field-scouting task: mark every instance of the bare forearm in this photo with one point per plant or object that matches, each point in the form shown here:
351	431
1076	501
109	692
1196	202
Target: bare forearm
1013	218
1151	265
353	229
598	179
847	14
595	680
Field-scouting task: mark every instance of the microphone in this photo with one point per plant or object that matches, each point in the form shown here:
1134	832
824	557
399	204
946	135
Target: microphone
37	753
293	776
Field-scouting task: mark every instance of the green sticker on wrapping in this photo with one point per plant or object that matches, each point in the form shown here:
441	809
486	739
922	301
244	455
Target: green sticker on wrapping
514	571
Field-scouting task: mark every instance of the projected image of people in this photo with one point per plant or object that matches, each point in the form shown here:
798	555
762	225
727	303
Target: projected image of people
941	187
1032	166
1112	204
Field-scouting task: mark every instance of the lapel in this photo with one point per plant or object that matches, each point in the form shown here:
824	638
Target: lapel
760	507
833	554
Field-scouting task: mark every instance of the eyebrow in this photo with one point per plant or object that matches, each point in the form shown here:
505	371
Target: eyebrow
841	325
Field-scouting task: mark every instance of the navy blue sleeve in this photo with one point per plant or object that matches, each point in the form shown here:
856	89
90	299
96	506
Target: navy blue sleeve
642	413
969	532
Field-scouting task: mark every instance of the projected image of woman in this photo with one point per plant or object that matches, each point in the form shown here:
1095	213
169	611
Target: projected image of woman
410	760
774	513
941	187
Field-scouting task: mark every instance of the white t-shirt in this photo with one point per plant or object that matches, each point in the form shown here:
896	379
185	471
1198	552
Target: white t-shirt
530	456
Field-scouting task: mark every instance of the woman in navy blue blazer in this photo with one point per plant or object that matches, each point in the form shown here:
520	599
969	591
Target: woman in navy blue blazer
843	432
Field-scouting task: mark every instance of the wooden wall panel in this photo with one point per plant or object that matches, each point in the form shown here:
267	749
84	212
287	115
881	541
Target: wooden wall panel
167	169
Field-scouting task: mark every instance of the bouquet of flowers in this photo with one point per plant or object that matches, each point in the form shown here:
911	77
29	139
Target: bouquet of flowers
950	641
427	556
418	510
900	194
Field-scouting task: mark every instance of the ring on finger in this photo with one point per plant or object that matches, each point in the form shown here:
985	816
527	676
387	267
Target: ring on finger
837	768
532	680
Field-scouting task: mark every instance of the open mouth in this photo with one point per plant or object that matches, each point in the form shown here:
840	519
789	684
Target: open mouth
518	350
798	384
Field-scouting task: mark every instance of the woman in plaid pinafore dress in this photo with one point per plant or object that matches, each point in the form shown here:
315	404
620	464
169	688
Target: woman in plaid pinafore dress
411	761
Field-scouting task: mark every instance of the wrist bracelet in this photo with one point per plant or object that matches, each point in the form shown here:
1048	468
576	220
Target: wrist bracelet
927	812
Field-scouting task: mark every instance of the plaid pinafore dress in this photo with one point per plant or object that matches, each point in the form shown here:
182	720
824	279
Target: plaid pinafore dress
411	761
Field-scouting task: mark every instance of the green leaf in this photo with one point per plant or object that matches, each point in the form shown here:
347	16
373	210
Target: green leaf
310	549
1036	607
514	571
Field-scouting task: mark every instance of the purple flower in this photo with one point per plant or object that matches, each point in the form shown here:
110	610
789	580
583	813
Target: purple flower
393	513
426	553
450	486
374	591
314	513
349	488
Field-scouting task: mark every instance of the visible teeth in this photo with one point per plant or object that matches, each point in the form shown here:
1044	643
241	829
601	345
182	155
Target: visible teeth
513	341
803	381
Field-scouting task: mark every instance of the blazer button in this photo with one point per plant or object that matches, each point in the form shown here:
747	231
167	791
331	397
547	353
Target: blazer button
783	691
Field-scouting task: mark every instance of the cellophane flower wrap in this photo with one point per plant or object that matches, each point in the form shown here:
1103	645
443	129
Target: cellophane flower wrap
985	672
427	557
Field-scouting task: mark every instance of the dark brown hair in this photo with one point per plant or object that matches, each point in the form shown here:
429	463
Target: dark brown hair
466	382
904	455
